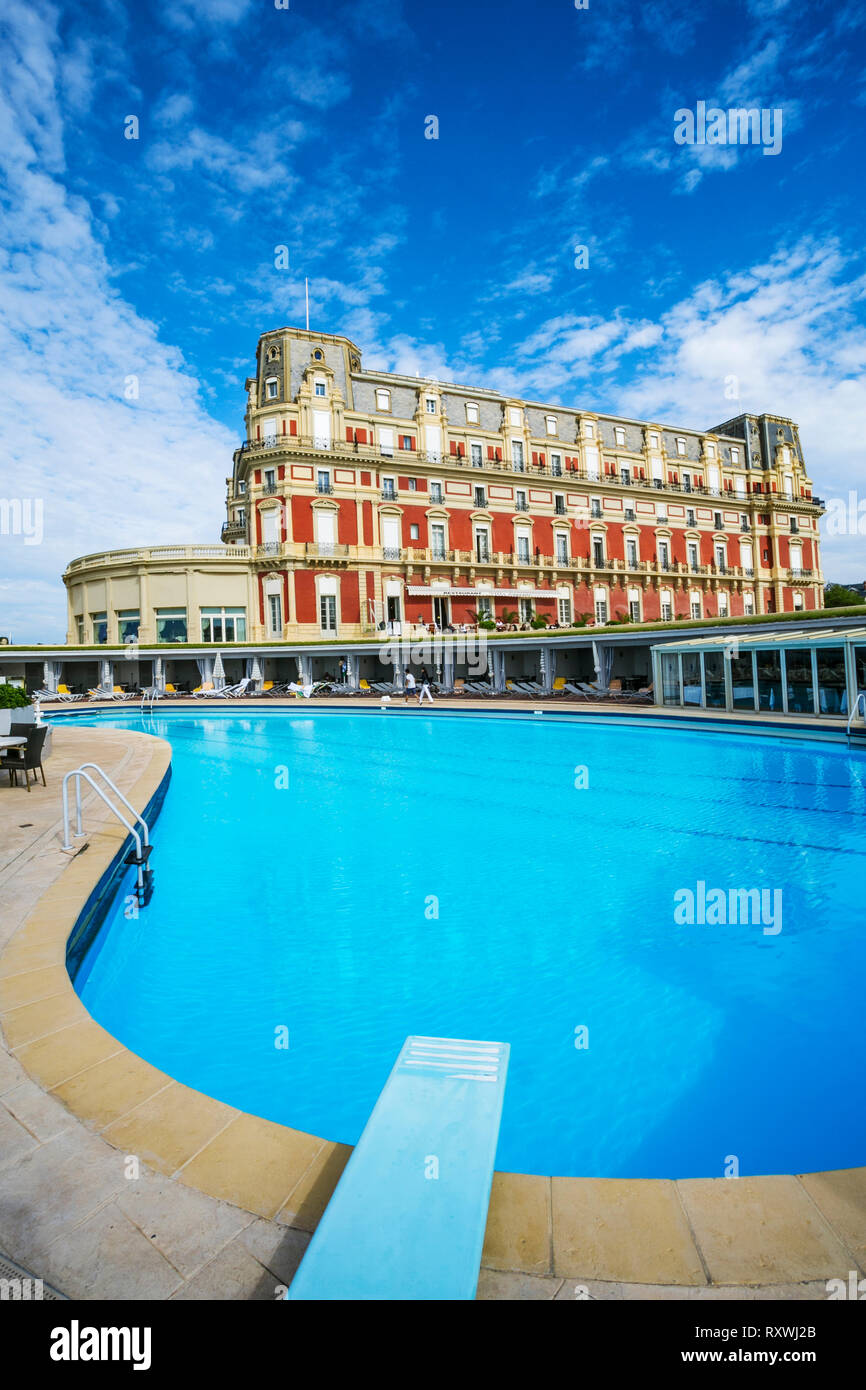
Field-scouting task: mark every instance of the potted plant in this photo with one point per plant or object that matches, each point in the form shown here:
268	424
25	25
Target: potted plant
15	707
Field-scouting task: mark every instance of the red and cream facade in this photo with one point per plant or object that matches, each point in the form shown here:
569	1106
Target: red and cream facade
367	497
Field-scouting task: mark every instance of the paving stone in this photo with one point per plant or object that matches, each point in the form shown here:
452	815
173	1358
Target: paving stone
37	1111
234	1274
622	1229
761	1230
278	1248
518	1235
53	1189
108	1257
253	1163
841	1198
15	1139
185	1226
502	1284
168	1128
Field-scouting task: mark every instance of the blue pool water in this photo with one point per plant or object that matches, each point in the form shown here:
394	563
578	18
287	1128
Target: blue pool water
444	875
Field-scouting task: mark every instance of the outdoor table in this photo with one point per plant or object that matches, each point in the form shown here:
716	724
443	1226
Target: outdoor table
12	742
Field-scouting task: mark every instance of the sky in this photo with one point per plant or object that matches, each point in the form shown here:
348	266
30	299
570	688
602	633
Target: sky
136	274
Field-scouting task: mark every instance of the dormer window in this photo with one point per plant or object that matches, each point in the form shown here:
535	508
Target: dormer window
681	448
471	413
515	415
619	436
654	441
430	405
383	400
318	355
589	429
735	454
550	423
272	386
273	354
319	387
711	451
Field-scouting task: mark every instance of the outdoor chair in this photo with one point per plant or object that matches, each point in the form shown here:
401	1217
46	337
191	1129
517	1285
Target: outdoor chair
28	758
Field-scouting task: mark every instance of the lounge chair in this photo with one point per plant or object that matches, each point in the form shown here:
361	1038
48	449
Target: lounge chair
386	1235
459	687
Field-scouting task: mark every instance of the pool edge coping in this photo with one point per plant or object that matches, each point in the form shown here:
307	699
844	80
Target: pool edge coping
751	1232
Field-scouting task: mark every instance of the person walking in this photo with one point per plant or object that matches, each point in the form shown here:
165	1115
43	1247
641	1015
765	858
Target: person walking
425	687
410	686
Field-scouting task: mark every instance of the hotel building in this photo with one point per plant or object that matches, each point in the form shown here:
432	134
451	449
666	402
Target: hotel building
362	498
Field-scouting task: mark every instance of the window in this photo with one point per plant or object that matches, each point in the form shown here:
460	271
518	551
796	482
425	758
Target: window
625	476
711	451
383	400
386	443
405	441
521	504
664	555
320	388
482	543
695	606
798	602
435	492
524	606
598	551
653	441
681	448
328	612
619	436
523	545
735	455
562	547
550	424
223	624
634	605
128	623
485	605
437	541
667	611
517	455
690	517
388	488
270	478
589	429
556	465
595	506
414	532
99	624
275	615
563	611
693	555
241	517
271	388
171	624
723	605
430	405
600	606
749	604
515	415
475	452
631	553
242	487
718	521
796	560
323	481
79	627
721	558
480	497
471	413
559	504
661	517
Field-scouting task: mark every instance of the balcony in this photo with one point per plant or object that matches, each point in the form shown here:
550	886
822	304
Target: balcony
328	551
391	552
324	489
521	506
559	510
800	576
269	548
389	494
269	489
233	530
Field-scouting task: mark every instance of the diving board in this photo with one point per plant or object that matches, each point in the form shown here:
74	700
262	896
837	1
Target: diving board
408	1216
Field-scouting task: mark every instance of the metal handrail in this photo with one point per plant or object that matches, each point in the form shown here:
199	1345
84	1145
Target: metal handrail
141	855
860	701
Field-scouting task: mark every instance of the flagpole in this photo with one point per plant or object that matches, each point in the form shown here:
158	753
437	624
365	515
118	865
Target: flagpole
307	293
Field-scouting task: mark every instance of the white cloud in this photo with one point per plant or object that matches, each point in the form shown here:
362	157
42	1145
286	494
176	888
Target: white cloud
110	472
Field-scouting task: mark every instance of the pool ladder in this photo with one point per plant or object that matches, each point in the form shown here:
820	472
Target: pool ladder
138	859
859	704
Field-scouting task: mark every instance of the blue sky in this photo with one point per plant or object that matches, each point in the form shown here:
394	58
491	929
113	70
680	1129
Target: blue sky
453	257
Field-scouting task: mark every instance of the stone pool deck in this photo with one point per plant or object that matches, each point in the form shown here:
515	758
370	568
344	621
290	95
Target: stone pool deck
224	1203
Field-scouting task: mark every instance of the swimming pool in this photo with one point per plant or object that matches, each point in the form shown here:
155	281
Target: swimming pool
339	880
